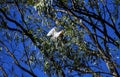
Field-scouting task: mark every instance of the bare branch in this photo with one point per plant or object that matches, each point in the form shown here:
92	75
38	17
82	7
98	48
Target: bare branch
16	61
3	71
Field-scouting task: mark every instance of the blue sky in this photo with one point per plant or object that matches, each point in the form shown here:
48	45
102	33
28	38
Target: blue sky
38	70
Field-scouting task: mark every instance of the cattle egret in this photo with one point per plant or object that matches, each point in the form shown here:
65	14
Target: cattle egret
54	34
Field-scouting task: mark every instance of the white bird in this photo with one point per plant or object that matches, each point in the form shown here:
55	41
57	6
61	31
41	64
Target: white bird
51	32
80	20
54	34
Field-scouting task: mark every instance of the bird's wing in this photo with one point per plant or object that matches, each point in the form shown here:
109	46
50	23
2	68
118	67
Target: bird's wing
57	34
51	32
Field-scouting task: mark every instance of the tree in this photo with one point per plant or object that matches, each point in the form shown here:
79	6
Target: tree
86	45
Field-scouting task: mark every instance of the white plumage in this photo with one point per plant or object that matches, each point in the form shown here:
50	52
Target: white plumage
51	32
80	20
54	34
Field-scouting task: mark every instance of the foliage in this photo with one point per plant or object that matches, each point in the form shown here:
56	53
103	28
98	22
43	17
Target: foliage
86	46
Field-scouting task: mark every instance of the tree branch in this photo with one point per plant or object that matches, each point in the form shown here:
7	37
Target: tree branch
16	61
19	25
3	71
